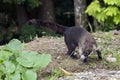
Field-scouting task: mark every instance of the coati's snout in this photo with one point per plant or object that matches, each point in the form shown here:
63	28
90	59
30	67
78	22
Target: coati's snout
88	49
86	53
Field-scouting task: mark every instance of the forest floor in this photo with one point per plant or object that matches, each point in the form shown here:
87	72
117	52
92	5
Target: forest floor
108	42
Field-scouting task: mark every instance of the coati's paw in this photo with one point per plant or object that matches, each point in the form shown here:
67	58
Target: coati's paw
100	58
99	54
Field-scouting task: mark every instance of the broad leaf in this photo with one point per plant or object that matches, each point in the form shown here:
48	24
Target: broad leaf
117	19
27	58
29	75
9	66
111	2
100	16
13	46
42	61
20	68
4	55
33	59
111	11
15	76
93	8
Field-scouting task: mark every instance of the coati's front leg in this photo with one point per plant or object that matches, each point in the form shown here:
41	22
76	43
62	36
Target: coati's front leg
99	54
71	47
74	51
95	48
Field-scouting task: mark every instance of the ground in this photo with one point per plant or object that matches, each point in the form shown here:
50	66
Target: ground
108	43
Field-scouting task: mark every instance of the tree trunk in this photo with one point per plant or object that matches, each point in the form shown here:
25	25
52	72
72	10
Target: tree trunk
79	9
47	11
21	15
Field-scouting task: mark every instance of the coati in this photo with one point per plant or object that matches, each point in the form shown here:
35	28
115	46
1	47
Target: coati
81	38
74	37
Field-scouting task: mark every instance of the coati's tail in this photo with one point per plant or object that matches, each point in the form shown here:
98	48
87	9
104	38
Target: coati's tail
51	25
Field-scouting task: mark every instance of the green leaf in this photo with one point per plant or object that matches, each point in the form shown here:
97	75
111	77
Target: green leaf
118	3
111	2
4	55
111	11
15	76
34	3
33	59
25	62
117	19
93	8
20	68
42	61
8	67
13	46
29	75
27	58
100	16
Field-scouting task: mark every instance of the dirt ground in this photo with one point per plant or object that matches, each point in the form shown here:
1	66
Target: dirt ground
57	48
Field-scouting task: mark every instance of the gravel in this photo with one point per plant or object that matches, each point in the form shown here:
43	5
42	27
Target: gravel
98	74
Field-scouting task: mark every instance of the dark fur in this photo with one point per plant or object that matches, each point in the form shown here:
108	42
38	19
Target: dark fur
74	37
79	37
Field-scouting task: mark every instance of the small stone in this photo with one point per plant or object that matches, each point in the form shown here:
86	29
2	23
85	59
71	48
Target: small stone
111	59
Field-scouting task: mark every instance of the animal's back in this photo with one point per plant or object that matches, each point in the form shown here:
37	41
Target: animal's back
74	34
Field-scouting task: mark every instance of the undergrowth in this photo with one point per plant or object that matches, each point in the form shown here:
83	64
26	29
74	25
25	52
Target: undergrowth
17	64
109	45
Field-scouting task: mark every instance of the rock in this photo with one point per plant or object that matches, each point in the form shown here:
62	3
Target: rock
109	58
112	59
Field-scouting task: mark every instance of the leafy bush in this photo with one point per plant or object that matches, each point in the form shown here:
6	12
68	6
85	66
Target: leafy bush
107	11
28	32
7	26
16	64
30	3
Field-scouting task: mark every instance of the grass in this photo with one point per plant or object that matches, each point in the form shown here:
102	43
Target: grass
55	74
109	45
